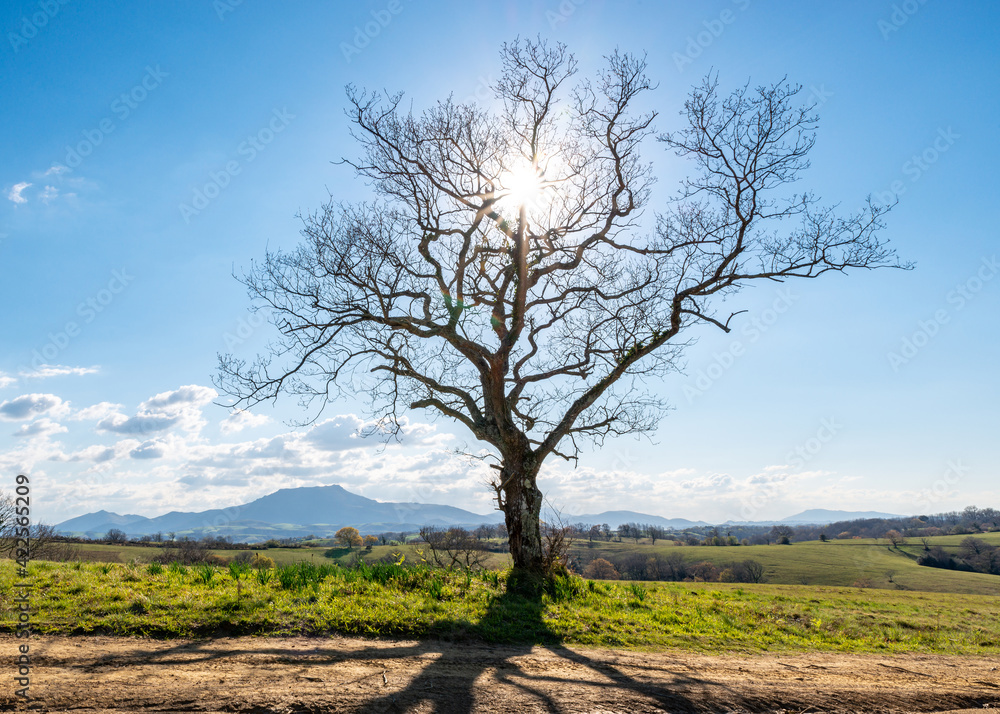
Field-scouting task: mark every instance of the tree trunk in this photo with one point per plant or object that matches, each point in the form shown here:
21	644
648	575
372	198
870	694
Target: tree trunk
522	510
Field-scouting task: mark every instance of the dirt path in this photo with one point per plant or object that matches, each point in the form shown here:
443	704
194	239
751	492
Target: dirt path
298	674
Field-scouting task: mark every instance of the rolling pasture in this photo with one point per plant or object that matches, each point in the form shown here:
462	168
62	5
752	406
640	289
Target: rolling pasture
835	563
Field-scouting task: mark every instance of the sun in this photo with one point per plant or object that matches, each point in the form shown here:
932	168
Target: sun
522	186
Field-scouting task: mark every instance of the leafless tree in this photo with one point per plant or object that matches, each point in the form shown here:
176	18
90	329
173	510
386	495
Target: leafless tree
754	570
502	276
656	533
116	536
782	534
454	548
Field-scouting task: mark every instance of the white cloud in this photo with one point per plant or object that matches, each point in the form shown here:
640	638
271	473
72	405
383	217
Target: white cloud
186	396
49	194
339	433
40	429
29	406
97	412
180	408
98	453
242	419
56	170
6	380
57	370
713	482
138	424
148	450
14	194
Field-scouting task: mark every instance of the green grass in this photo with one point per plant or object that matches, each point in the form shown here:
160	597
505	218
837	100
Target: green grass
834	563
387	600
839	563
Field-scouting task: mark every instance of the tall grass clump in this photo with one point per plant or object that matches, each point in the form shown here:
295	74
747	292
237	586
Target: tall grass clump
205	573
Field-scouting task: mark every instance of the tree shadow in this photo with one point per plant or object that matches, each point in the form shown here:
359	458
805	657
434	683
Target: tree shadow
511	628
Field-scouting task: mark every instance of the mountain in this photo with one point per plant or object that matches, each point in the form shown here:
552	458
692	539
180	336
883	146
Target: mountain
822	516
616	518
322	510
99	519
319	510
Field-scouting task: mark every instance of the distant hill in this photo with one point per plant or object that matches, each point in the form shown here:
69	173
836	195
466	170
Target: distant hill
616	518
320	510
99	519
822	516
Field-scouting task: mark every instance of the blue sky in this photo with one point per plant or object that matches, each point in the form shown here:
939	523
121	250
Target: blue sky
118	288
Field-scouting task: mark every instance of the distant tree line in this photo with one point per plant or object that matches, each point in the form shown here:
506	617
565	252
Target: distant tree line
672	567
974	555
968	521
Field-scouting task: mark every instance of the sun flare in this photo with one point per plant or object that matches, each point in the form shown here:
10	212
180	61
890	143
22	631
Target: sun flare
522	186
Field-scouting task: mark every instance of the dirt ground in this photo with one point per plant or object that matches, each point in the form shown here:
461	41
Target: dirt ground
86	675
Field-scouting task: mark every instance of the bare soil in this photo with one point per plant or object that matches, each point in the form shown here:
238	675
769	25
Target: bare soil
86	675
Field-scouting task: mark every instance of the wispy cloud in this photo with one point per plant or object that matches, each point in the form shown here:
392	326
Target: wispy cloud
57	370
6	380
49	194
188	395
242	419
14	194
41	428
97	412
139	424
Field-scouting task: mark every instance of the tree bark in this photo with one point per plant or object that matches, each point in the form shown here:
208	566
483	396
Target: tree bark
522	506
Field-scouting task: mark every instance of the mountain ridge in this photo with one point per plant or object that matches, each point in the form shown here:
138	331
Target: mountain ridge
319	510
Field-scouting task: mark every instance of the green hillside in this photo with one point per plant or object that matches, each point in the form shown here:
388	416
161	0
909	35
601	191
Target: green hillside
835	562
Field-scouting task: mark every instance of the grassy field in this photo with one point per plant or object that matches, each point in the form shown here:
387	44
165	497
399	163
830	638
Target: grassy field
394	601
838	563
835	563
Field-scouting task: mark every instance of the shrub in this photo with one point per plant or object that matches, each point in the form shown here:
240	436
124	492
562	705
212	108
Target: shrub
600	569
704	572
261	562
189	552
